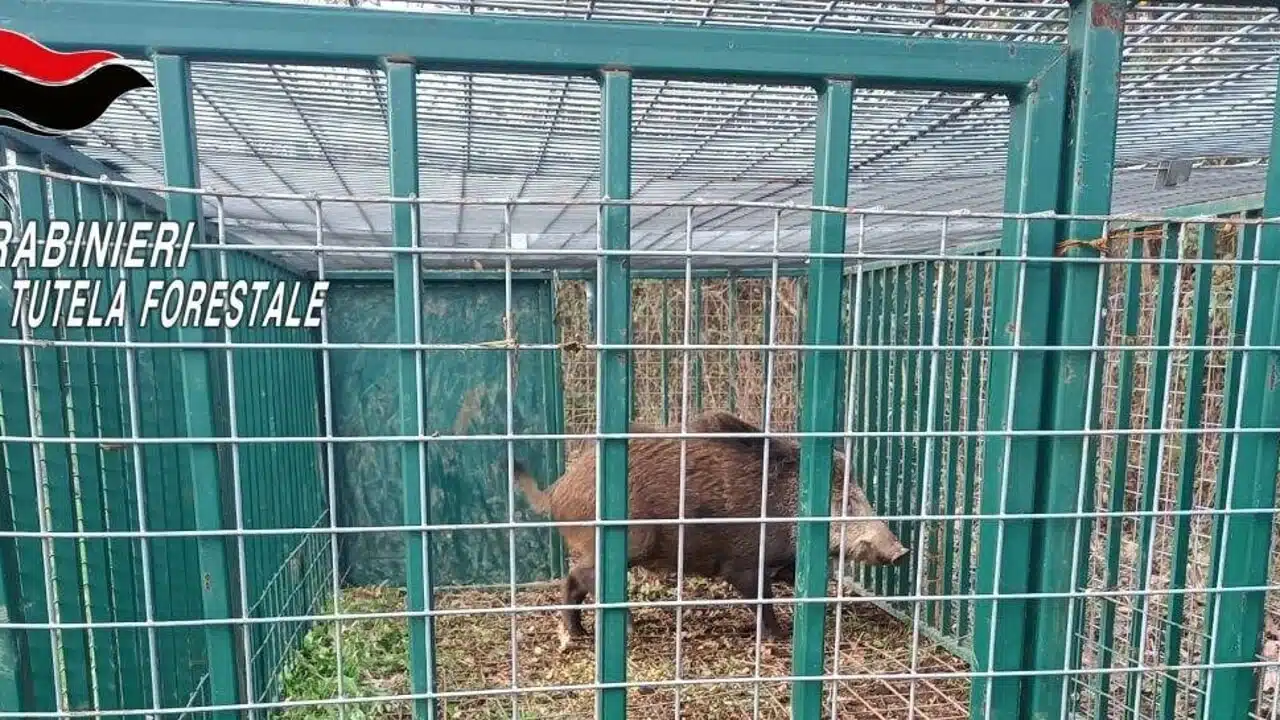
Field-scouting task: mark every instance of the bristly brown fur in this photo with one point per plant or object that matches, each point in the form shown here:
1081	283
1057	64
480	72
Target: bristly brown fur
723	479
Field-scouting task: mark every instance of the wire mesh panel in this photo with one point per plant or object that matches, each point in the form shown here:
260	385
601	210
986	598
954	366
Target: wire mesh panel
576	436
129	564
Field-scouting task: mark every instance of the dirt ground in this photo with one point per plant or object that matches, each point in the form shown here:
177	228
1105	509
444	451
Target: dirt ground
474	652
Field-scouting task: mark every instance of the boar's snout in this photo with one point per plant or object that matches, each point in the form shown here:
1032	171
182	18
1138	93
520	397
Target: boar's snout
899	556
879	546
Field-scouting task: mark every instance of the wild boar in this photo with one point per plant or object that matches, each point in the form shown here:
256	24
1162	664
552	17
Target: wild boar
723	480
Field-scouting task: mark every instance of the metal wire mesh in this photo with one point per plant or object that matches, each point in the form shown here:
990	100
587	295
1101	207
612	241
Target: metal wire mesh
316	514
904	640
1197	83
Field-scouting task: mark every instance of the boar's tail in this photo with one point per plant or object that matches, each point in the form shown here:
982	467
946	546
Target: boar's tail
539	500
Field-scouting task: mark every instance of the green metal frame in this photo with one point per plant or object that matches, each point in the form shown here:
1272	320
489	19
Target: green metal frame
402	120
1242	543
178	141
1060	158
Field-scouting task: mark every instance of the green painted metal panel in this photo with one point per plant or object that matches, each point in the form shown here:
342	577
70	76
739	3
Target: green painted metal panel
77	391
104	418
58	497
1243	542
25	595
1073	393
615	388
402	130
464	394
261	32
820	374
1021	305
199	461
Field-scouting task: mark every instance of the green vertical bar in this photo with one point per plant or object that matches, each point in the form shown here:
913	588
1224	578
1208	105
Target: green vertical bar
178	140
798	376
1118	483
615	386
402	119
46	363
1156	419
900	411
943	495
1015	398
887	360
733	339
817	412
951	481
137	689
553	384
874	335
918	392
106	418
25	592
1231	400
1193	413
1246	538
1071	402
79	385
973	392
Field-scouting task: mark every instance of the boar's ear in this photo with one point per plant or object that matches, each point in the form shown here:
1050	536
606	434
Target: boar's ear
719	421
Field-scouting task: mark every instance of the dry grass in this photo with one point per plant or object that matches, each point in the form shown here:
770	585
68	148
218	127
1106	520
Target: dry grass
721	380
730	313
474	653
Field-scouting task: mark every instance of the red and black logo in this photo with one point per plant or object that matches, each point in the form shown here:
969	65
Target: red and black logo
45	92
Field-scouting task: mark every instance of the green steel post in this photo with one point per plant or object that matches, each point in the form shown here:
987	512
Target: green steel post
402	129
1022	314
1153	454
1192	418
876	399
1060	550
178	142
1245	551
1118	483
615	387
817	412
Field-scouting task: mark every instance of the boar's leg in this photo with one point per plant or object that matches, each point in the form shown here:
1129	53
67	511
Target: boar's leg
786	574
577	584
744	580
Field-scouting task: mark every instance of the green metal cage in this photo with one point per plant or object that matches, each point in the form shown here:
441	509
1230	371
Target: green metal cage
1068	412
